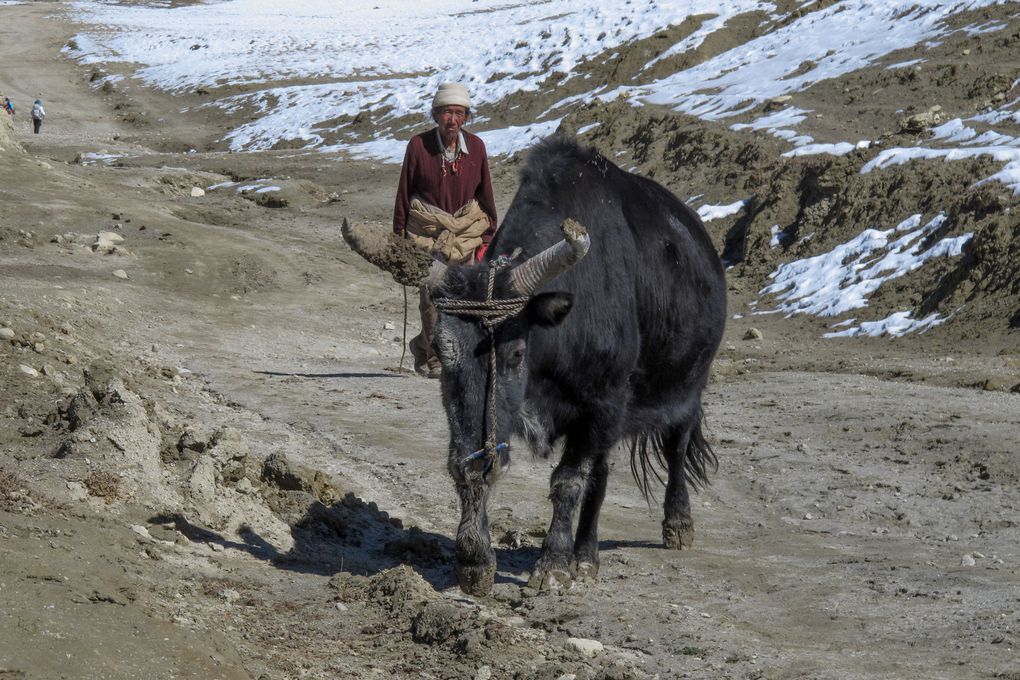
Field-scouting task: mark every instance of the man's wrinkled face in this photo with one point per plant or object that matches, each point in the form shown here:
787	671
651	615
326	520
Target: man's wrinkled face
450	119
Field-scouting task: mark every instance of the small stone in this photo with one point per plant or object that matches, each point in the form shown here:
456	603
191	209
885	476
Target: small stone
197	192
188	271
388	326
585	646
39	347
753	334
28	370
808	515
6	333
340	607
967	561
977	555
216	547
483	673
243	485
120	273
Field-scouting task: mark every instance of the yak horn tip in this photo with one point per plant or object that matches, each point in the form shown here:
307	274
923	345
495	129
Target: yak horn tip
573	230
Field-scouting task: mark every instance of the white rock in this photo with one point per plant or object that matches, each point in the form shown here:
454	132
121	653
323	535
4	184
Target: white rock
196	192
141	531
7	333
967	561
111	236
120	273
483	673
28	370
585	646
340	607
243	485
77	490
202	484
388	326
230	595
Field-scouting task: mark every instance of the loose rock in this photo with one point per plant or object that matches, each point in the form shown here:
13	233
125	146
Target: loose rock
585	646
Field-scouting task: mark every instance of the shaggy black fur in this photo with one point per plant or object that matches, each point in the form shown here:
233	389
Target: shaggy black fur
644	314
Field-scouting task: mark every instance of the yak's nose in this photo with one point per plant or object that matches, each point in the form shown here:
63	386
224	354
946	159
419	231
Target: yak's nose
479	465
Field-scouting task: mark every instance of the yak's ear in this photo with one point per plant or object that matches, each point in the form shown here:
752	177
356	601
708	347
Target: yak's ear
549	309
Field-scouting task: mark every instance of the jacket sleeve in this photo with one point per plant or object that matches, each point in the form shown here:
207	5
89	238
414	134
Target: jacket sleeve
403	200
485	198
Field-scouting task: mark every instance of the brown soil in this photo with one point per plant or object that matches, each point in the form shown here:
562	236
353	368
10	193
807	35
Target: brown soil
209	469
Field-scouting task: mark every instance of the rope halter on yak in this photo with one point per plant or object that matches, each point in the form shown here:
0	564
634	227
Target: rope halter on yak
490	314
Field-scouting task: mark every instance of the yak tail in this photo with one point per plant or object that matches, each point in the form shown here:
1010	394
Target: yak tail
650	454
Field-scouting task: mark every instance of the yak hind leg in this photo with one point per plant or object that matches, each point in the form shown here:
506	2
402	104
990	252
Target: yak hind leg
677	525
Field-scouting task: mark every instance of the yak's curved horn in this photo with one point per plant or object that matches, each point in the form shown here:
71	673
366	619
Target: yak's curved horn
407	263
539	270
370	251
437	272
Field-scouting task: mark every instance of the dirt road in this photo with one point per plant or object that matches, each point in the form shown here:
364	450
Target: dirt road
162	516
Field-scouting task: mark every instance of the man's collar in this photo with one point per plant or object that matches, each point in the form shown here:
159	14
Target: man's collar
461	142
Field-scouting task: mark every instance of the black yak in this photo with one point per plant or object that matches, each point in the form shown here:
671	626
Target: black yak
594	319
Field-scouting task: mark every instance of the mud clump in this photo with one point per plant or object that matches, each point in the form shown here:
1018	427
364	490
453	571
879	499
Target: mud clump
406	263
437	623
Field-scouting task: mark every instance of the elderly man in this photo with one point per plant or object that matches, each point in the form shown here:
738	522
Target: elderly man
444	201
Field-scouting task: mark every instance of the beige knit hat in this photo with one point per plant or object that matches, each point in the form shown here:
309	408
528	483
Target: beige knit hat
451	94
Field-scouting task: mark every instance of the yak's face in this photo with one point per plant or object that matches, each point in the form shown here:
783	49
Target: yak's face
464	347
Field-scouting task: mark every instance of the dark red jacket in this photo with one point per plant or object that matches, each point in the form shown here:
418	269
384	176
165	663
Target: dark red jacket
422	175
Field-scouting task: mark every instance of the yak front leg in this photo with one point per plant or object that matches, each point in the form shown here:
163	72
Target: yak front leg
586	545
553	568
476	560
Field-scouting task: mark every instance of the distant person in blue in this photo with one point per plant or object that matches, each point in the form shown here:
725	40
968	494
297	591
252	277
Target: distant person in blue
38	113
8	106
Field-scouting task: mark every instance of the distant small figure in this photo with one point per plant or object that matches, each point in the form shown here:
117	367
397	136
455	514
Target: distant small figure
38	113
8	106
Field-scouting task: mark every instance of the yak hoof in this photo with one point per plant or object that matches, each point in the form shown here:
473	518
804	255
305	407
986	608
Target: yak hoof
551	579
587	571
677	535
476	579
